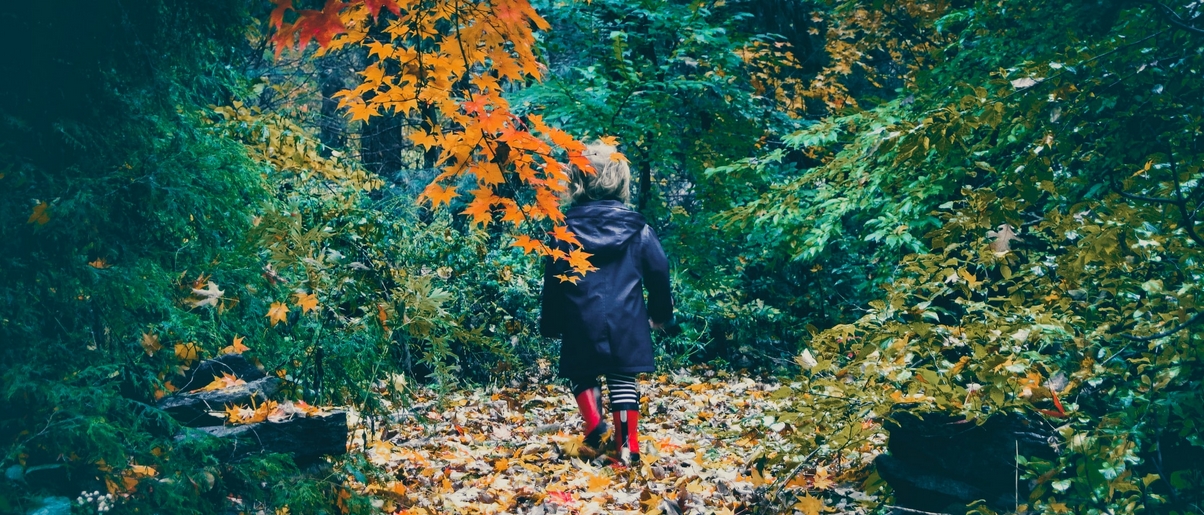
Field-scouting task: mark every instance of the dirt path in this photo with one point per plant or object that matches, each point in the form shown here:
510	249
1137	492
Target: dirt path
515	450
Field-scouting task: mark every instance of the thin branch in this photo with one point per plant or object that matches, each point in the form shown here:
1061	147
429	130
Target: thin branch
1177	20
909	510
1142	198
1190	322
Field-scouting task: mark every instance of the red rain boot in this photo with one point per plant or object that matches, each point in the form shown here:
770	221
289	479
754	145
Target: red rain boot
627	436
589	402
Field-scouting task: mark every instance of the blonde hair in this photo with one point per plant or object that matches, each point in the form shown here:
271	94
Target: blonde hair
611	179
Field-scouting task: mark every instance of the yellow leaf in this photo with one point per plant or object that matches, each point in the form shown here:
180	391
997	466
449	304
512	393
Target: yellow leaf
528	245
568	278
579	260
618	156
278	313
187	352
809	505
227	380
822	481
150	343
39	215
362	112
598	483
609	140
306	301
438	195
143	470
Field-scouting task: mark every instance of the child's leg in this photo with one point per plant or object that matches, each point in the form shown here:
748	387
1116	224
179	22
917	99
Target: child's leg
625	404
589	402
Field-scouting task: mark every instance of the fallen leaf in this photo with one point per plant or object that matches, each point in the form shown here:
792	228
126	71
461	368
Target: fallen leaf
809	505
278	312
1025	82
206	297
150	343
187	352
227	380
236	348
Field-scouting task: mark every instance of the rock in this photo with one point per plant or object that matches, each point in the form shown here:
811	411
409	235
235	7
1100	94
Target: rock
936	460
193	408
307	438
207	370
52	506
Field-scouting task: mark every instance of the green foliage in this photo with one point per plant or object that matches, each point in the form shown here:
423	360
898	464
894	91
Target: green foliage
113	192
1081	138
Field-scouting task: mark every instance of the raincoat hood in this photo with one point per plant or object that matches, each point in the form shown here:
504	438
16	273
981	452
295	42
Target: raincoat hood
604	227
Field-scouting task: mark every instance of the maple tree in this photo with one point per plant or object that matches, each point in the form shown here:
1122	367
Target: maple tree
449	61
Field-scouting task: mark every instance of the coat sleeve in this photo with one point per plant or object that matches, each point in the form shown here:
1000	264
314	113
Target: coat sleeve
550	299
655	269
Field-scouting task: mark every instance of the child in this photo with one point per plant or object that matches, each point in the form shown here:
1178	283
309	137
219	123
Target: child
602	319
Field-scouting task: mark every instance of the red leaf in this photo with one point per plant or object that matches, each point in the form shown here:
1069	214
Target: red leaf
277	16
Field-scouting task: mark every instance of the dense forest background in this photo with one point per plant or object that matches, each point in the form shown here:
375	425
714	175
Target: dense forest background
964	209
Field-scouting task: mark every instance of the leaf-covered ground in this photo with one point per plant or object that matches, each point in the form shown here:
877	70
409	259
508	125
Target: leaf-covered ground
515	449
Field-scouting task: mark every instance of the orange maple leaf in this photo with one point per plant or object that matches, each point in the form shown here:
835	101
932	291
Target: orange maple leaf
99	263
579	260
438	195
480	210
306	301
568	278
562	233
428	141
362	112
609	140
528	245
474	106
512	213
278	313
235	348
489	173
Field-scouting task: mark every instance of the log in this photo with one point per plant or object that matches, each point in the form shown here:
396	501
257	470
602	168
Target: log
306	438
192	409
209	369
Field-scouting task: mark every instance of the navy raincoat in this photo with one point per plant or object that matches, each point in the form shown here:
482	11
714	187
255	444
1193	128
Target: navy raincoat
602	319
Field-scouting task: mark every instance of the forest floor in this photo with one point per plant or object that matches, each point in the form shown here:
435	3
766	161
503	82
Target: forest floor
516	449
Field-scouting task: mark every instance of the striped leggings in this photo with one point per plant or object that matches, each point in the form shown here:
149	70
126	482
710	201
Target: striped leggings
624	392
